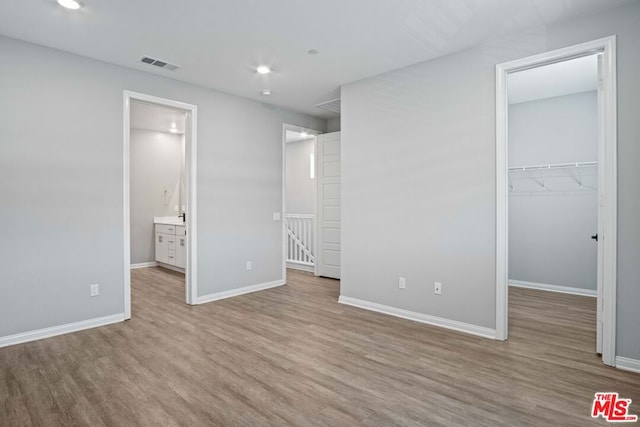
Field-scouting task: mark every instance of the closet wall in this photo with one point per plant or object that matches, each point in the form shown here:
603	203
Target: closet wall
550	228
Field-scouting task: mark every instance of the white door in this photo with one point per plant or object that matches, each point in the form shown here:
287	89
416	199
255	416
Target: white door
328	254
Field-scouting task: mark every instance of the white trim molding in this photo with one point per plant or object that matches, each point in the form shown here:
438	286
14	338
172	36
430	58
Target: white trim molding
172	268
191	140
420	317
53	331
628	364
554	288
607	179
302	267
144	265
240	291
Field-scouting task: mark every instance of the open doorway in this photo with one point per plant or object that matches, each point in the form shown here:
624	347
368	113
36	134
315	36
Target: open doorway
159	187
300	197
556	186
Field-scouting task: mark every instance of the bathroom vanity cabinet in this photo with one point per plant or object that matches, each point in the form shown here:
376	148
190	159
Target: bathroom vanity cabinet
171	244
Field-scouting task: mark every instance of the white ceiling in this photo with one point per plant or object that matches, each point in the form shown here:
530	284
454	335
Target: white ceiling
562	78
219	43
155	117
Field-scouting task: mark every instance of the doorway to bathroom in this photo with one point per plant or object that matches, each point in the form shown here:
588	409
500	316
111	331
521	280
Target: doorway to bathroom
159	197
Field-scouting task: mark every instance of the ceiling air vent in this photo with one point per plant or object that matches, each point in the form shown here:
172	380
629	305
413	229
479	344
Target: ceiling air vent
333	106
159	63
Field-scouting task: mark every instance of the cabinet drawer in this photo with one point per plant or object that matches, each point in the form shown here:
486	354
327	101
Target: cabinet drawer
181	230
165	228
171	257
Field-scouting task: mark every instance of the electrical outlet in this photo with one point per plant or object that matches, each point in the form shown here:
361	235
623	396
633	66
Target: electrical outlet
249	266
402	283
437	288
276	216
95	290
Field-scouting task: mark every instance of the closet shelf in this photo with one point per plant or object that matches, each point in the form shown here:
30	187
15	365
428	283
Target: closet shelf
540	174
554	166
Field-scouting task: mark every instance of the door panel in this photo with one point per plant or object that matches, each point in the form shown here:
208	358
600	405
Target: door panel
162	248
328	261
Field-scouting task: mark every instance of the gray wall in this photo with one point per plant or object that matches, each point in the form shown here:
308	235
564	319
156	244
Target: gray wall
549	231
419	176
549	239
61	185
301	189
155	167
333	125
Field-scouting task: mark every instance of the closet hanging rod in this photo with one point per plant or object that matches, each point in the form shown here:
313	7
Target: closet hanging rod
554	166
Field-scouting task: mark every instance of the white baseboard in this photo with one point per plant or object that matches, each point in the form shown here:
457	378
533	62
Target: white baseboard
553	288
627	364
60	330
144	265
420	317
240	291
301	267
170	267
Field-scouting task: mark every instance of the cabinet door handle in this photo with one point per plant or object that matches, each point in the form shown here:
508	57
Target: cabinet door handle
181	242
160	238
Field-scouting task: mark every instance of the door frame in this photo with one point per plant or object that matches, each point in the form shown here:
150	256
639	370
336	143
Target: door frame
607	179
314	132
191	138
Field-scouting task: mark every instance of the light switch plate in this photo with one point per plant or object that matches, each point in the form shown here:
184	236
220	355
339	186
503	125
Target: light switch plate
276	216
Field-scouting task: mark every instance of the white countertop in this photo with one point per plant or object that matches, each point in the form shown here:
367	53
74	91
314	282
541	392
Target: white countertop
168	220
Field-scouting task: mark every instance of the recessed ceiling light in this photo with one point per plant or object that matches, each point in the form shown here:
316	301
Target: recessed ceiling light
265	92
263	69
312	51
69	4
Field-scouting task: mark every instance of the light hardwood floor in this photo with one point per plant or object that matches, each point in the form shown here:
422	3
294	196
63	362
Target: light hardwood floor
294	356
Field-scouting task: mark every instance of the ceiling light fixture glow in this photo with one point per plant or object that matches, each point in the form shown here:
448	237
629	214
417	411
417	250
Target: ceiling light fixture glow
263	69
69	4
265	92
304	134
